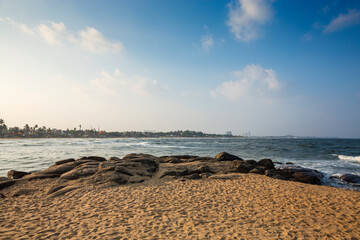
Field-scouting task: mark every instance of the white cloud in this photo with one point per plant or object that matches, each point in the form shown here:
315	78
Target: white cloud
54	33
251	81
207	42
245	16
113	83
343	20
19	26
94	41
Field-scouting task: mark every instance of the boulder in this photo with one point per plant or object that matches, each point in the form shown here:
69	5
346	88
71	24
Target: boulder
16	174
224	156
2	195
266	163
350	178
244	166
64	161
308	177
297	173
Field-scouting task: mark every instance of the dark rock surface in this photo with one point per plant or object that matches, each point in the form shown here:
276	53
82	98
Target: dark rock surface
224	156
267	163
16	174
350	178
71	174
64	161
6	182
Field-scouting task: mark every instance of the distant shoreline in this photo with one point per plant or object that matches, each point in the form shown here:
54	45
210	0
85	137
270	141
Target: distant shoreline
232	137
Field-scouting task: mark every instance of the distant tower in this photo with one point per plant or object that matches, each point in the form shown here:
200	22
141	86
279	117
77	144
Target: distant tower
228	133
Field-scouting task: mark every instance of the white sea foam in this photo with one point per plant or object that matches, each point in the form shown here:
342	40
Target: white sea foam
348	158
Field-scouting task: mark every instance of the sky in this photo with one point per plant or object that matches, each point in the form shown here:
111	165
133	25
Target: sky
268	67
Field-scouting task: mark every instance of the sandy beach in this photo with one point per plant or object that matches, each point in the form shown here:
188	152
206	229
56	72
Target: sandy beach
246	206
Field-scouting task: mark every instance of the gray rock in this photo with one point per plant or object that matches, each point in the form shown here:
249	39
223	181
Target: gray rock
350	178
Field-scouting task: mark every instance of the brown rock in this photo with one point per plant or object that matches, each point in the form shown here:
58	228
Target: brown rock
25	191
224	156
266	163
64	161
16	174
6	183
79	172
307	177
55	189
259	170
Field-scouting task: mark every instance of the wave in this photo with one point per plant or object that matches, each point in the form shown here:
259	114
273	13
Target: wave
348	158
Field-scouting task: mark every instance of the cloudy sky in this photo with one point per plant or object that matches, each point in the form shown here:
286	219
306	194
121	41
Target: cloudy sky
271	67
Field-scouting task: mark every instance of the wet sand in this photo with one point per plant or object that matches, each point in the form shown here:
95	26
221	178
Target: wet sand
248	206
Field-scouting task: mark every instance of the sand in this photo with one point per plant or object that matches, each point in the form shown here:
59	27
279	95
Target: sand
246	207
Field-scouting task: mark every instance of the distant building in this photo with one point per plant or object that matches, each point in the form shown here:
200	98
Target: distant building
228	133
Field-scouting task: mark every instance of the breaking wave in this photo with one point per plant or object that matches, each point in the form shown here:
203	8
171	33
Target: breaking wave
348	158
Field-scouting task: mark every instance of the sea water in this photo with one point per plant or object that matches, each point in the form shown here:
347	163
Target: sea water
330	156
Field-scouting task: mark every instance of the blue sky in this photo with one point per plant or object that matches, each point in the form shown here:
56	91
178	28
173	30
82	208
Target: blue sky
268	67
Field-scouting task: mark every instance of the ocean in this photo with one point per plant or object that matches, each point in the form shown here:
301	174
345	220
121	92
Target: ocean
330	156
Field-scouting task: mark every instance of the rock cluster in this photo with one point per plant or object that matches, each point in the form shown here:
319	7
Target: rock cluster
70	174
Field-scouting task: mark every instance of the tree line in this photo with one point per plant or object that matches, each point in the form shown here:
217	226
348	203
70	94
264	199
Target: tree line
45	132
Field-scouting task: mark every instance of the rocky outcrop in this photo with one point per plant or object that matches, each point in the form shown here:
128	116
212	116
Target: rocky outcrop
64	161
71	174
16	174
296	173
224	156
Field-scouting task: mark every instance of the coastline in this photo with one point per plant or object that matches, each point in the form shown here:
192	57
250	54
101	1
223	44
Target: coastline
246	206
